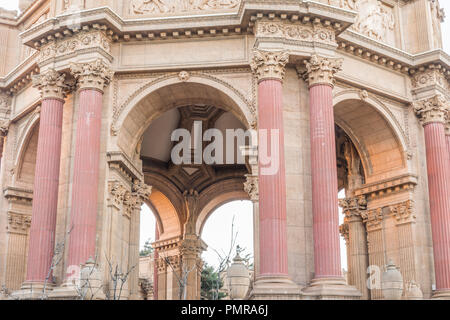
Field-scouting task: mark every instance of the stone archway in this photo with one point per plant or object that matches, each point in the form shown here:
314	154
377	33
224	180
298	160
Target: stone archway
181	193
379	213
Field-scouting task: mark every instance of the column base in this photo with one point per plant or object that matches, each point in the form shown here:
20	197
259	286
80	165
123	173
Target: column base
330	289
441	295
32	291
275	288
67	291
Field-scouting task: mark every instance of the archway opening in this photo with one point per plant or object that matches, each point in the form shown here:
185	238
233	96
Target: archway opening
228	232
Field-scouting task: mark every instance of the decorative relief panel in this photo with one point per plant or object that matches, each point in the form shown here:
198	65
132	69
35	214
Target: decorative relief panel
18	223
80	41
375	19
300	32
148	7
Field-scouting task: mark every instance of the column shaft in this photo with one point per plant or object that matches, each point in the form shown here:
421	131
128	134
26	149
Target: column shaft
439	194
85	178
324	183
272	187
45	197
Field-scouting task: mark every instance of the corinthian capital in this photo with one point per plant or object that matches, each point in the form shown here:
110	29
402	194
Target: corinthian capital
269	64
434	109
93	75
52	84
321	70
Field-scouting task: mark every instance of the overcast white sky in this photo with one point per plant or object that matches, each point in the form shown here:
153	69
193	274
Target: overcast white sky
217	231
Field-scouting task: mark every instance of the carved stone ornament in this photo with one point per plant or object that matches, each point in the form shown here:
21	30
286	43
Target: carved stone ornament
403	212
344	230
321	70
269	64
116	192
18	223
431	110
93	75
145	7
372	218
251	187
352	207
4	127
141	191
305	32
85	41
432	75
52	84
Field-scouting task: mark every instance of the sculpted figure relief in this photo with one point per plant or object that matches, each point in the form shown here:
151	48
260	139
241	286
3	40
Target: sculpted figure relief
172	6
374	19
346	4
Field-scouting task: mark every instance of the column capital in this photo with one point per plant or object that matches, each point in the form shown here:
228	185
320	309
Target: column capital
94	75
321	70
52	84
251	187
430	110
352	207
269	64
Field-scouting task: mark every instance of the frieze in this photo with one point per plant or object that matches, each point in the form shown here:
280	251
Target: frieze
70	44
375	19
432	75
310	32
149	7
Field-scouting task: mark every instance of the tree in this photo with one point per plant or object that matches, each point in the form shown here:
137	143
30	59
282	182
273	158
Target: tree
147	248
210	280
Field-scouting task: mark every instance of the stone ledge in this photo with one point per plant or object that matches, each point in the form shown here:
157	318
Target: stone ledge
330	289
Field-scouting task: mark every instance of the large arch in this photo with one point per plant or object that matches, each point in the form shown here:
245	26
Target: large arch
217	195
153	99
376	134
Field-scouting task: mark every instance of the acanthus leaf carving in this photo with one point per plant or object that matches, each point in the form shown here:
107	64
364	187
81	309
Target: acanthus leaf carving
433	109
403	212
321	70
52	84
269	64
93	75
18	223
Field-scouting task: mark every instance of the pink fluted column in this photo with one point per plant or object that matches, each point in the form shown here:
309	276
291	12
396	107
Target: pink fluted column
438	168
45	196
155	265
272	187
85	178
324	183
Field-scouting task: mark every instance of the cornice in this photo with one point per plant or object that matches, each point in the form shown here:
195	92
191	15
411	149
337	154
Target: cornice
240	22
392	185
121	29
